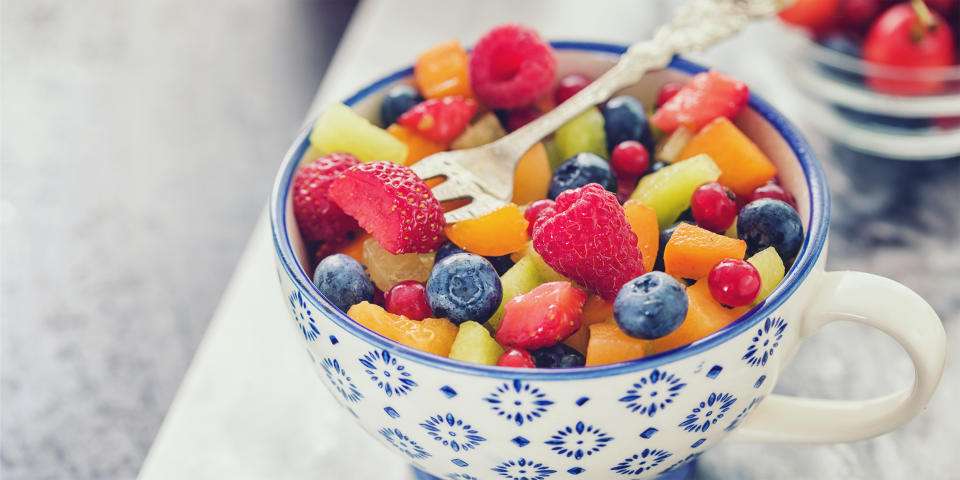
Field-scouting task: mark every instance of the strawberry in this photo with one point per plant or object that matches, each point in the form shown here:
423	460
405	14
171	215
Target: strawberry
319	219
708	96
440	119
586	237
393	204
542	317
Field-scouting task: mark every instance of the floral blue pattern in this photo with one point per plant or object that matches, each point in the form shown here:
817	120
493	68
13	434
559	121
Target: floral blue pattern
680	463
641	462
389	375
303	316
452	432
766	340
340	380
653	393
461	476
578	440
742	415
523	469
518	402
403	443
708	412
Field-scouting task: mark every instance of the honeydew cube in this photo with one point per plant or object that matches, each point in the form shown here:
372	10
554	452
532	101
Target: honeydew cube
669	189
340	129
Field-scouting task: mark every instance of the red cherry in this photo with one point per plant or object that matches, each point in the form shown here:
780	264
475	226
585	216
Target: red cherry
630	159
815	15
734	282
945	7
521	116
773	190
569	85
858	14
667	91
409	299
713	206
516	357
534	210
909	35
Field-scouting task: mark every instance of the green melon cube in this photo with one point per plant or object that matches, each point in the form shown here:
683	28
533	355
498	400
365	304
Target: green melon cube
340	129
546	272
474	344
482	132
768	263
582	134
671	147
520	278
669	189
553	155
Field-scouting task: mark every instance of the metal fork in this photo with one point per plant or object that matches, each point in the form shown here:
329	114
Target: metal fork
485	174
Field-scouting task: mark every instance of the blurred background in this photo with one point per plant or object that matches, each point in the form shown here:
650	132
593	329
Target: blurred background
139	145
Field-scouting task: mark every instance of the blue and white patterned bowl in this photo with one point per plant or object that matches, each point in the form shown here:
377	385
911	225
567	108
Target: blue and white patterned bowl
630	420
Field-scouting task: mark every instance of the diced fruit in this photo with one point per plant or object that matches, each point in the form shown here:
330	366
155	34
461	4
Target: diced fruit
464	287
596	310
734	282
587	238
355	248
650	306
569	85
340	129
608	344
498	233
812	14
708	95
669	190
521	278
773	190
643	222
408	298
584	133
692	251
625	118
532	176
553	154
432	335
511	66
704	316
474	344
418	146
393	204
771	269
630	159
387	269
667	91
517	358
534	210
558	356
669	150
714	207
440	119
546	272
542	317
744	167
343	281
396	102
485	130
519	117
442	71
320	219
771	223
579	170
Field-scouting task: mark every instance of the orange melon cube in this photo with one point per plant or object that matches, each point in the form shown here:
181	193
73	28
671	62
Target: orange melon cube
744	167
643	222
442	71
596	310
355	248
608	344
433	335
693	251
501	232
418	146
532	177
704	316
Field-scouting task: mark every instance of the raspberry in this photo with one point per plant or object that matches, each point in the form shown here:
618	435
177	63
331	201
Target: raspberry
511	66
587	238
440	119
319	219
393	204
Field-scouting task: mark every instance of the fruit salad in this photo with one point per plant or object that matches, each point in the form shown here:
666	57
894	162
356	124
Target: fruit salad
634	229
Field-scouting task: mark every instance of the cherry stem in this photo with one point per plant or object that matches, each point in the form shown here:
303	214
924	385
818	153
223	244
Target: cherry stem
923	14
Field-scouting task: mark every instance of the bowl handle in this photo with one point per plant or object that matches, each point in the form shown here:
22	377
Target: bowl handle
880	303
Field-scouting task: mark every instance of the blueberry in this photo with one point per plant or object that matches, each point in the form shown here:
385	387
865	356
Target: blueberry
650	306
501	264
656	166
343	281
558	356
769	222
464	287
398	100
625	118
579	170
448	248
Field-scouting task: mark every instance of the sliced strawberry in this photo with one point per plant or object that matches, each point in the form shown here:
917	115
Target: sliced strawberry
440	119
708	96
393	204
319	219
542	317
516	357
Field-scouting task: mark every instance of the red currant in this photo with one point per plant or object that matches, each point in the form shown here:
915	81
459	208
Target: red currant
625	188
534	210
667	91
409	299
516	357
520	117
713	206
733	282
773	190
569	85
630	159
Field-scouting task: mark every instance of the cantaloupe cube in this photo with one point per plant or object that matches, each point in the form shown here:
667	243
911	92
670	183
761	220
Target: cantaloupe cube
704	316
433	335
532	176
643	222
500	232
418	146
442	71
596	310
693	251
744	166
608	344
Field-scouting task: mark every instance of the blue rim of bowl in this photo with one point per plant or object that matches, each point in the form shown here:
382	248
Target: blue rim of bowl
813	244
